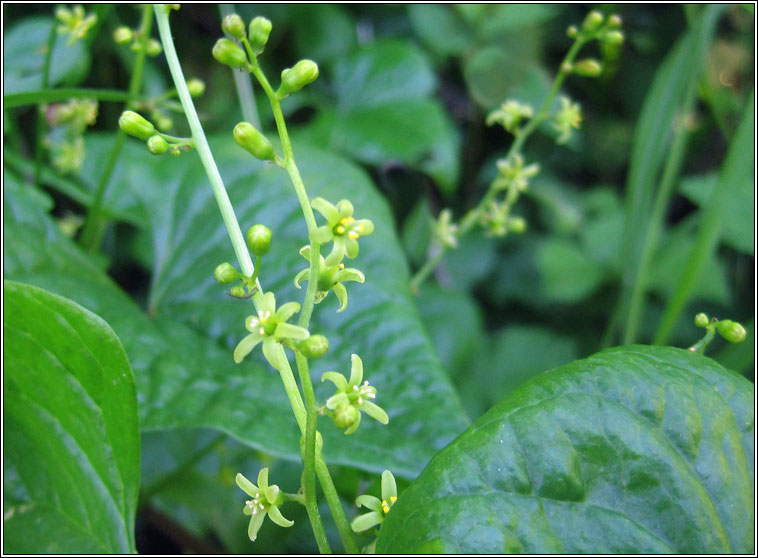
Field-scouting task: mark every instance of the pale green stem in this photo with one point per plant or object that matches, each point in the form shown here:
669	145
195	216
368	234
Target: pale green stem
243	84
473	215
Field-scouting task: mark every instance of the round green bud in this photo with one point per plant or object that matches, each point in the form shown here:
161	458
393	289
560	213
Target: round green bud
123	35
229	53
345	416
589	67
163	122
517	225
315	346
135	125
153	48
572	31
175	152
238	291
260	29
196	87
233	25
225	273
251	139
614	21
731	331
157	145
701	320
259	239
593	21
613	38
297	77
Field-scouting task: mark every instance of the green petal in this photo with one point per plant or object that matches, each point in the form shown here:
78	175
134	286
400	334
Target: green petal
285	312
249	488
341	293
247	344
374	411
256	520
351	246
349	274
371	502
353	427
330	213
366	521
274	353
338	252
345	209
263	479
356	370
336	378
322	234
277	517
304	274
271	493
364	226
389	487
268	302
305	251
291	331
336	400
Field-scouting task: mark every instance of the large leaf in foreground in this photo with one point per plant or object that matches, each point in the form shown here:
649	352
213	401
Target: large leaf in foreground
182	355
634	450
71	447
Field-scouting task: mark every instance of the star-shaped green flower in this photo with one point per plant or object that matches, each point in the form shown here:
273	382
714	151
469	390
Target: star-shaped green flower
265	501
341	227
351	397
569	116
379	508
270	327
330	278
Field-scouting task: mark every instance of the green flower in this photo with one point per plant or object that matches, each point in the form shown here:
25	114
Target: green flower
330	278
379	508
74	23
352	394
512	173
569	116
341	227
509	115
265	501
445	230
270	327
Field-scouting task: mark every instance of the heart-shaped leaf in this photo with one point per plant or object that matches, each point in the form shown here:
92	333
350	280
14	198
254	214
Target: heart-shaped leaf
634	450
71	447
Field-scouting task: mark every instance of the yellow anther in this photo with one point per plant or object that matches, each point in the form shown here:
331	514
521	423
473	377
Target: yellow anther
342	266
385	506
361	228
353	234
347	220
393	499
341	229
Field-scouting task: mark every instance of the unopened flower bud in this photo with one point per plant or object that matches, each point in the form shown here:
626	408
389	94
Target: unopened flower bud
297	77
135	125
259	239
517	224
229	53
157	145
589	67
225	273
238	291
233	25
593	21
613	38
260	29
123	35
614	21
572	31
345	416
251	139
196	87
163	122
153	48
701	320
731	331
315	346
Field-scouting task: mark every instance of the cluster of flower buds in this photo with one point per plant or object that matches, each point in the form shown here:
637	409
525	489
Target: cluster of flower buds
598	27
352	397
157	142
123	35
68	121
730	330
75	23
259	243
509	115
230	53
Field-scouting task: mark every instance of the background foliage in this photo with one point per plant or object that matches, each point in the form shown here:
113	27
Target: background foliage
395	122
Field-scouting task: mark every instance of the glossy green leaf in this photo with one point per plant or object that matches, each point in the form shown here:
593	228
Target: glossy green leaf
324	33
634	450
71	440
383	72
182	356
23	57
